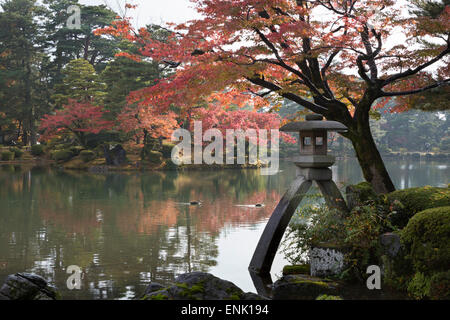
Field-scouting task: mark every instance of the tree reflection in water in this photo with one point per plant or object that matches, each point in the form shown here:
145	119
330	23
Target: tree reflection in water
127	229
124	230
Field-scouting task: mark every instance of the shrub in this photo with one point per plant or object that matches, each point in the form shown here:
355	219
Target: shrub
61	155
87	155
360	194
435	287
94	140
357	234
170	165
414	200
17	152
166	150
154	157
7	155
37	150
427	238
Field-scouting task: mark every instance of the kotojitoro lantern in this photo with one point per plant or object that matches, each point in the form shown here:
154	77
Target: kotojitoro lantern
313	164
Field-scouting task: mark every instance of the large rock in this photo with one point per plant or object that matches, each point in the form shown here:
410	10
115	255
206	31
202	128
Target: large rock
198	286
27	286
115	156
303	287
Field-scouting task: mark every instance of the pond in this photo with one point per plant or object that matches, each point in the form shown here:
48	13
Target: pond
127	229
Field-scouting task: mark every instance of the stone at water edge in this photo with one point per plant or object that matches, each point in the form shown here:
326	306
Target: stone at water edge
198	286
303	287
27	286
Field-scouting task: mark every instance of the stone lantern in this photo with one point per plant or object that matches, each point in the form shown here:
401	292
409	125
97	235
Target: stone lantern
313	164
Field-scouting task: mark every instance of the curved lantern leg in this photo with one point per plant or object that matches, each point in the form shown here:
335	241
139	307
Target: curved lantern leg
332	195
273	233
263	284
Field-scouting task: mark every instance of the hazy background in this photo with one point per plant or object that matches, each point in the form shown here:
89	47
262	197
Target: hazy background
151	11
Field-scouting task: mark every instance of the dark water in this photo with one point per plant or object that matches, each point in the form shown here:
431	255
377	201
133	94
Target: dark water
127	229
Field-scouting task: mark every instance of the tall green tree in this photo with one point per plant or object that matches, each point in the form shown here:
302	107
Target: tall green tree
80	83
70	44
21	56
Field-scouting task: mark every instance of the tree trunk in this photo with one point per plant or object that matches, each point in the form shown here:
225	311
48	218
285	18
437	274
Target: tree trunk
370	160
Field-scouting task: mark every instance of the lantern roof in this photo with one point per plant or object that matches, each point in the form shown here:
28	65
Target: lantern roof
313	122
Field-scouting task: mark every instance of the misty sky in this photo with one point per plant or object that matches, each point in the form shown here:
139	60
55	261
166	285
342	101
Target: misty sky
152	11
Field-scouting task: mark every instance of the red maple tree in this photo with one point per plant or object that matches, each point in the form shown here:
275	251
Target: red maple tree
335	58
75	118
145	123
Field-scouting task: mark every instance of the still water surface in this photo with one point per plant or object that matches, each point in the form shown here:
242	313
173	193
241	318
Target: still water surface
127	229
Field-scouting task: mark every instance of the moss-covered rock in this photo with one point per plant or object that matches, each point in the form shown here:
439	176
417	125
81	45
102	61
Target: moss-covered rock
27	286
303	287
87	155
328	297
297	269
427	238
414	200
359	194
197	286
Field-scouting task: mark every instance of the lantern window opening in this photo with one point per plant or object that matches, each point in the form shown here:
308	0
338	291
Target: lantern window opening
307	141
319	141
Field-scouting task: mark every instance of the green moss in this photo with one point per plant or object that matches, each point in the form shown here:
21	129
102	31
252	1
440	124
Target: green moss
328	297
312	283
159	296
296	269
427	238
234	294
414	200
190	292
